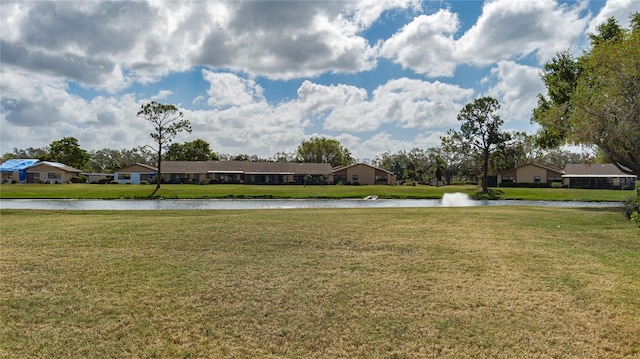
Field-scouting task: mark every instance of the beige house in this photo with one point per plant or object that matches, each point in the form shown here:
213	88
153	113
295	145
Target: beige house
530	173
43	172
363	174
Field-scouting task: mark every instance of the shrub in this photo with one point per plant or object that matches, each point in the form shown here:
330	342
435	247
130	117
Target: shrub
79	179
144	182
114	182
556	184
355	183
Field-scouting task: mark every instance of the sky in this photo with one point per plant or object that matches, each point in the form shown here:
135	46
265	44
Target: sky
260	77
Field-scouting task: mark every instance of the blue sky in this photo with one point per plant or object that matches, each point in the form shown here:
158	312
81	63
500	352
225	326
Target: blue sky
259	77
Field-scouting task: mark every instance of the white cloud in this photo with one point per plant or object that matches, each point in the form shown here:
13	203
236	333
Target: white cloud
162	95
619	9
425	45
409	103
516	87
109	45
506	29
510	29
227	89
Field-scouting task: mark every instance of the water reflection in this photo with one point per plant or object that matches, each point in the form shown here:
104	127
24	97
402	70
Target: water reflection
230	204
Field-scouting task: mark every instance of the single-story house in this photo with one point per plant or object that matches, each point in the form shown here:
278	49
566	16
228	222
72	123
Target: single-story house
36	171
51	172
364	174
601	176
255	173
135	174
15	170
229	172
531	173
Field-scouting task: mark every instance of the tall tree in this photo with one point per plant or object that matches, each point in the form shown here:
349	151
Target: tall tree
479	132
68	151
196	150
441	169
167	122
324	150
600	105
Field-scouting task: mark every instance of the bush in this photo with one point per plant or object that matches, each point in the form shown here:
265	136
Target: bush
114	182
79	179
556	184
144	182
355	183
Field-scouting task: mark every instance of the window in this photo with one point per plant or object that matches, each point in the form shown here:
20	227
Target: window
354	177
124	176
536	179
54	175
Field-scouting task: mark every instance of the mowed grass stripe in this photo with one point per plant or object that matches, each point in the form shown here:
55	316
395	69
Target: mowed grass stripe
441	282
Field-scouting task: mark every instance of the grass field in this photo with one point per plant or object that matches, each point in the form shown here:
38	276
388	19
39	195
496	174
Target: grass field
481	282
89	191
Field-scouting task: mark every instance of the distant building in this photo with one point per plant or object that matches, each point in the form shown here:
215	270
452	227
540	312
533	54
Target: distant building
247	172
531	174
36	171
135	174
363	174
601	176
596	176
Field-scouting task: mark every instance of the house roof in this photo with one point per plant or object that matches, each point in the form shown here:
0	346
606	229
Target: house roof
245	167
594	170
14	165
58	165
17	164
340	168
133	166
548	168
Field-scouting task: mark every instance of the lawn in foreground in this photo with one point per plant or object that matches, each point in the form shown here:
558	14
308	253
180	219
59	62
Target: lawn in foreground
435	282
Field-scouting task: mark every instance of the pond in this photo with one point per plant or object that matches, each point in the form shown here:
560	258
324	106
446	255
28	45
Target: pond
449	200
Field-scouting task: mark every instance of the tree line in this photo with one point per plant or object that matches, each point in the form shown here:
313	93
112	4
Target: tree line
419	165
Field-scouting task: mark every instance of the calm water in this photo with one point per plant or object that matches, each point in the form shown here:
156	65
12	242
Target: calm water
224	204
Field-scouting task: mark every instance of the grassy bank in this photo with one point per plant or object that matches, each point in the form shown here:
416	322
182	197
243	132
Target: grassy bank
435	282
87	191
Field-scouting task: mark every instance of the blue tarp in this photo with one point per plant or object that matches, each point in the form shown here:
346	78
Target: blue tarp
14	165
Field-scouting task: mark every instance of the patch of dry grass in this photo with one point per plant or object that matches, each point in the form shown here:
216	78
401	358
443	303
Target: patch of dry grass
431	282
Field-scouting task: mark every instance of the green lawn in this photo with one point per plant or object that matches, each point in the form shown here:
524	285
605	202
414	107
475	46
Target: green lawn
481	282
92	191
